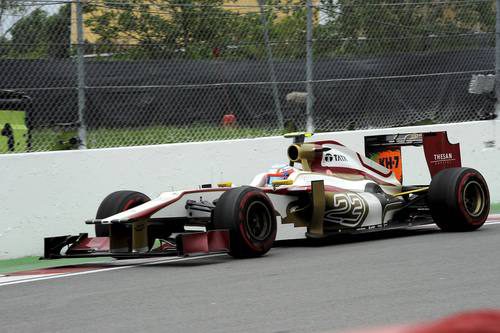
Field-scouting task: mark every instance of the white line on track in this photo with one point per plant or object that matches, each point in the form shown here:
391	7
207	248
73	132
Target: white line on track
492	222
25	279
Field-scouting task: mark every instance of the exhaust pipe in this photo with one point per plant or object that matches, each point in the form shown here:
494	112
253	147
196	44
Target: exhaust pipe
305	154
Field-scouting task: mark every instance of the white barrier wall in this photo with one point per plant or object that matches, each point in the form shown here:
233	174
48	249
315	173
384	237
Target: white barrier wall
49	194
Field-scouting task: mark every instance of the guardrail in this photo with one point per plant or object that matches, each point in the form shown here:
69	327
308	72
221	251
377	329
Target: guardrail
51	193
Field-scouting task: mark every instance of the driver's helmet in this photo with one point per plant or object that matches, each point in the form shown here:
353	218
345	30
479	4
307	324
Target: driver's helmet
282	171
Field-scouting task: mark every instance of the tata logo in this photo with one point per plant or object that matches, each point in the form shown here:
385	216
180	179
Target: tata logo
335	157
443	157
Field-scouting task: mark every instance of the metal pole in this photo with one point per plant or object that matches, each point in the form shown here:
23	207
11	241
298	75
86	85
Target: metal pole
270	64
309	67
82	128
497	59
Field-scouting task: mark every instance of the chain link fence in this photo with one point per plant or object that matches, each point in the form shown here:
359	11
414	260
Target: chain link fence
101	73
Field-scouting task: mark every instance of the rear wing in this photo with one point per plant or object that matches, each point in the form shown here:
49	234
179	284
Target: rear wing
439	152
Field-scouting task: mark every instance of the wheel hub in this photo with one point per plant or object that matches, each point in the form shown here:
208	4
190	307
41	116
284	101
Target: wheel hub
474	198
258	221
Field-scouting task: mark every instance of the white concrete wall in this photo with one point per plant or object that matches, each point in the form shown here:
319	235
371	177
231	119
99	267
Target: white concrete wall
48	194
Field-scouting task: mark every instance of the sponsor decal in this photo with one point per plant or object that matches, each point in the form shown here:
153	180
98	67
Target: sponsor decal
337	158
443	157
439	152
349	209
139	227
390	159
334	157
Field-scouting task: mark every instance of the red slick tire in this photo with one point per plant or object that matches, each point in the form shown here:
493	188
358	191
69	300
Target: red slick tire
115	203
249	216
459	199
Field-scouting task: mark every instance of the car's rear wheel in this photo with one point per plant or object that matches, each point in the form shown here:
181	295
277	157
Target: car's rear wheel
250	217
459	199
115	203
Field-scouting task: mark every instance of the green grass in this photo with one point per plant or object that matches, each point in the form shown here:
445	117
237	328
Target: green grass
29	263
495	208
45	139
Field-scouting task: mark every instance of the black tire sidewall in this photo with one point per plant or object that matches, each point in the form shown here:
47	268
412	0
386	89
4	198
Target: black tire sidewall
467	176
256	245
445	199
231	213
115	203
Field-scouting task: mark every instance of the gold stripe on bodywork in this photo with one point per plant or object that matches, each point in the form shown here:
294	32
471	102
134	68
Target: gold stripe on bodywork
318	199
423	189
140	236
280	182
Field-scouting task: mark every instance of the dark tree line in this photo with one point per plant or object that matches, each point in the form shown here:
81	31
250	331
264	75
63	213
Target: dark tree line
204	29
39	35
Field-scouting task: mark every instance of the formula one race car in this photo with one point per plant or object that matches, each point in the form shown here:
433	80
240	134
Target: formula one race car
326	188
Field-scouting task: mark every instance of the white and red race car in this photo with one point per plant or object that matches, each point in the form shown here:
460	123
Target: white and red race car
326	189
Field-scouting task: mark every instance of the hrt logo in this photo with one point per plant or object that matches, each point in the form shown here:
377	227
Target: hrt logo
335	157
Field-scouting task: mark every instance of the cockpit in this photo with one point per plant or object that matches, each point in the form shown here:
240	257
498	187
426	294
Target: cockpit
276	172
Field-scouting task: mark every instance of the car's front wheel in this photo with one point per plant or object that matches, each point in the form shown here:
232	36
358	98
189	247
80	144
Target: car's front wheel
115	203
250	217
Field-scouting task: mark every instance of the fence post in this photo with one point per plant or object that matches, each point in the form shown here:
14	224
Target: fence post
497	59
309	67
80	61
270	64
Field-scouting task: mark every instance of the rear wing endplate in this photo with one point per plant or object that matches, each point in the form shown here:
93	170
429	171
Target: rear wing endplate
439	152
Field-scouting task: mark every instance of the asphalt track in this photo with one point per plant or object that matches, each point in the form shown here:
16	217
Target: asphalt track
349	282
